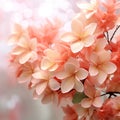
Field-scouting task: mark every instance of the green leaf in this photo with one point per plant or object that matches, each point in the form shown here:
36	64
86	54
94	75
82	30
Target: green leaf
78	97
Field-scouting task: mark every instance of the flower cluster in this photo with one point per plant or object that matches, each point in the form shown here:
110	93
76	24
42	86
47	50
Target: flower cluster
80	66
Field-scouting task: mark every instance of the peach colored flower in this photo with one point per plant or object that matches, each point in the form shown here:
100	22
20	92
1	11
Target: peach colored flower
100	66
46	96
26	50
89	8
94	97
40	81
55	57
84	113
24	72
71	77
18	33
49	61
81	35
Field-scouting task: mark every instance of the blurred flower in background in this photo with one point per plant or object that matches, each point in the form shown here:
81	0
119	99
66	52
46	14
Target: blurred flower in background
16	102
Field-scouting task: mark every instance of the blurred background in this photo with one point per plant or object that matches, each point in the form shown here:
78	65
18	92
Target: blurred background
16	102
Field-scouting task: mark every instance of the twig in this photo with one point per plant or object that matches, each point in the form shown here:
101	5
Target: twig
114	32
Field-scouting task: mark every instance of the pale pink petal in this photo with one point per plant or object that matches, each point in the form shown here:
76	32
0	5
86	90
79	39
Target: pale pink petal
23	42
25	57
94	58
86	102
54	85
18	51
101	77
23	78
13	39
34	56
62	75
70	68
69	37
67	84
90	29
89	88
41	87
104	56
79	86
53	68
74	61
51	54
41	75
88	41
47	98
98	102
46	64
89	15
109	67
77	46
93	70
81	111
101	45
33	43
77	26
81	74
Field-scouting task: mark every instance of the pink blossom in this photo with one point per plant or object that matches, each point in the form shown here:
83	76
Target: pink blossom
94	97
101	66
81	35
26	50
71	77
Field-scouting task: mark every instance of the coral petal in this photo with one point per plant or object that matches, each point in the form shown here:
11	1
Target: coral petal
81	74
41	87
79	86
77	46
67	84
86	103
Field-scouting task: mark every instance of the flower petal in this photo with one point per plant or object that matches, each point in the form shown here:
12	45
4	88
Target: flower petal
46	63
25	57
81	74
67	84
41	87
98	102
13	39
54	85
104	56
94	58
101	77
62	75
79	86
88	41
51	54
109	67
90	29
18	51
70	68
93	70
86	102
23	42
40	75
69	37
77	46
77	26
